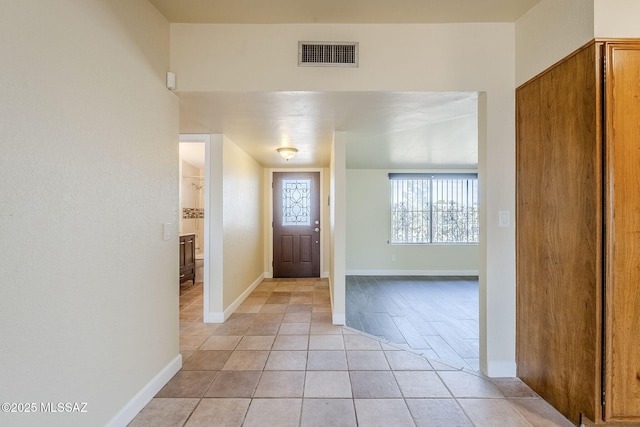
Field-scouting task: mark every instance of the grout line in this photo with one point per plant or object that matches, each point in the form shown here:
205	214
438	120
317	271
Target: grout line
342	333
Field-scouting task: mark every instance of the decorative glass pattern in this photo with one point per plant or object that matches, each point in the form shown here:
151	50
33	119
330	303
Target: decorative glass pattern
296	202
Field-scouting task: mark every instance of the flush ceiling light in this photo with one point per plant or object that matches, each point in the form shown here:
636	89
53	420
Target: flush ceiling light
287	153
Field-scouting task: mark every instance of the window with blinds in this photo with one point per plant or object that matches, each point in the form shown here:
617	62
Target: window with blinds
434	208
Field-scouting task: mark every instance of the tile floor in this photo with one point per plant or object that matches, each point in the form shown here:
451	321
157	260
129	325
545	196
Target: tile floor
435	316
278	361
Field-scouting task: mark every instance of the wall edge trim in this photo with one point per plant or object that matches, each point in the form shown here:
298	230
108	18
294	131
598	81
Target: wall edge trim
229	311
146	393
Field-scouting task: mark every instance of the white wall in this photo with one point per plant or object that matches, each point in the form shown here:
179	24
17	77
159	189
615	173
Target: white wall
213	304
368	223
243	214
550	31
325	227
616	18
396	57
88	175
553	29
236	227
337	223
418	57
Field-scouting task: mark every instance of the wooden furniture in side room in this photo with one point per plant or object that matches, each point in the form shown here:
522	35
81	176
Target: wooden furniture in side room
188	257
578	233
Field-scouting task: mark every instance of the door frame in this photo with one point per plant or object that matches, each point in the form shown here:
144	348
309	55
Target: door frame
206	140
269	217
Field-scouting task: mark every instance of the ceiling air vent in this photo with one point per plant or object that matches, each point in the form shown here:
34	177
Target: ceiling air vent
327	54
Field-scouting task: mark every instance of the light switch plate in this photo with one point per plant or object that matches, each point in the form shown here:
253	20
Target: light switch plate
504	219
167	231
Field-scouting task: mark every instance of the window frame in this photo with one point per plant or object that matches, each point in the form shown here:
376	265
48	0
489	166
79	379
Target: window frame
430	177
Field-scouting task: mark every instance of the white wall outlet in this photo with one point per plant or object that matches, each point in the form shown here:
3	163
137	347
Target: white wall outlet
504	219
393	257
166	231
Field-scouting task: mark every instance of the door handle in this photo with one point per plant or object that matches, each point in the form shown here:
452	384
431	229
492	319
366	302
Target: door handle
316	229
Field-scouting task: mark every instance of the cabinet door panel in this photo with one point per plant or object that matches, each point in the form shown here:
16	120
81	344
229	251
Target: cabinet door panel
622	106
558	235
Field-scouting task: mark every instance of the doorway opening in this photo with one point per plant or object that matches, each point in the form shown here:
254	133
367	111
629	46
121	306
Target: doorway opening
194	198
192	186
414	241
373	140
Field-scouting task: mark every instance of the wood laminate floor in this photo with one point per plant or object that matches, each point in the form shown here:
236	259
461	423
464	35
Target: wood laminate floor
435	316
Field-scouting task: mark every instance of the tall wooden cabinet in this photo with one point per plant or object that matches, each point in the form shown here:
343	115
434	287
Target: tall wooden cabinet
578	233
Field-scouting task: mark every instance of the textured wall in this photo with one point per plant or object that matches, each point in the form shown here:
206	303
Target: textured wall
88	174
555	28
549	32
243	211
617	18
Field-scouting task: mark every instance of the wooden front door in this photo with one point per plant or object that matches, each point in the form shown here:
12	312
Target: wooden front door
296	224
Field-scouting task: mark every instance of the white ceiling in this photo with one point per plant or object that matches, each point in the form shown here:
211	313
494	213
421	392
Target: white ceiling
383	129
390	130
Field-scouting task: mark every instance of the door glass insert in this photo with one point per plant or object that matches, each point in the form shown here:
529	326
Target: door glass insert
296	202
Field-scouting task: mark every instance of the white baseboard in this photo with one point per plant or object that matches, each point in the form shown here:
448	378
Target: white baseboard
229	311
501	369
412	272
144	396
336	318
220	317
324	275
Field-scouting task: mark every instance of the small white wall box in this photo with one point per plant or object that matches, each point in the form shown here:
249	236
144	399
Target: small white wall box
171	80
